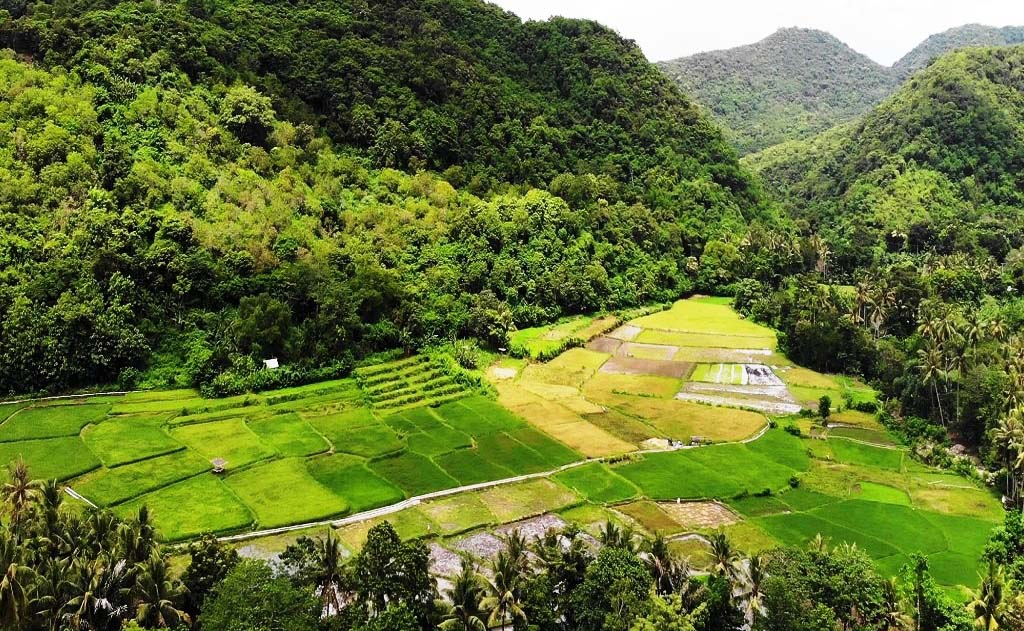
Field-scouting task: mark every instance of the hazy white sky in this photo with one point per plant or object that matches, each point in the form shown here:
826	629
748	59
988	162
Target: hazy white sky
882	29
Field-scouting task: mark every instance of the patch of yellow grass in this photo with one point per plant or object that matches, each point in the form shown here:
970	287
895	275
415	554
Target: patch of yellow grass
512	502
855	417
566	395
650	385
683	419
696	316
705	340
560	422
807	378
571	368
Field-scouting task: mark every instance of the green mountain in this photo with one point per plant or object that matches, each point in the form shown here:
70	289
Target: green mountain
964	36
799	82
939	166
792	84
187	187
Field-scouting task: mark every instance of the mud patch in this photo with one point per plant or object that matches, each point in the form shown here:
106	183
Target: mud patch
604	345
496	372
482	545
657	367
699	514
535	527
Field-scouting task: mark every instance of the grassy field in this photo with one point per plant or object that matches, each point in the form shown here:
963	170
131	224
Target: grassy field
349	478
598	483
190	508
50	421
541	339
284	492
124	439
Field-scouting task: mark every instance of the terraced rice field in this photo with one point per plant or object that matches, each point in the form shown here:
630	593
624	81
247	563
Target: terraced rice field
408	383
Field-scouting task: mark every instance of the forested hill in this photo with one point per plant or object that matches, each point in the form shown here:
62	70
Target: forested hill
799	82
187	187
792	84
965	36
939	166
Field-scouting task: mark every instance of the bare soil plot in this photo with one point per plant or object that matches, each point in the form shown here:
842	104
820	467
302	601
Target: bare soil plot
768	407
604	345
700	514
635	366
482	545
729	356
535	527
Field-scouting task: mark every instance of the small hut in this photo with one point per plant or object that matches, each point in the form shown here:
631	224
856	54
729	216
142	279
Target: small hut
218	465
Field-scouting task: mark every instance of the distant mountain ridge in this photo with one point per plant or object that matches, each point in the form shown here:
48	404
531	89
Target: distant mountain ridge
797	82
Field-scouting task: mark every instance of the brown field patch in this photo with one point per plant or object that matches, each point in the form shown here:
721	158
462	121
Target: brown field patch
626	332
560	422
699	514
682	420
604	345
648	385
635	366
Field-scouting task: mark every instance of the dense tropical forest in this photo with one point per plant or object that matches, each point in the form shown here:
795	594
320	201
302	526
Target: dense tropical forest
799	82
200	192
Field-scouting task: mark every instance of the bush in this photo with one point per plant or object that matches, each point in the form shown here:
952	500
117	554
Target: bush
465	353
794	482
794	430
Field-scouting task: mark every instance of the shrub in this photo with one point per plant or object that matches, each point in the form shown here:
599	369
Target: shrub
794	430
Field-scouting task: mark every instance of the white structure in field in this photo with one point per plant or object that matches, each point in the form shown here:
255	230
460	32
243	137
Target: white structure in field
271	363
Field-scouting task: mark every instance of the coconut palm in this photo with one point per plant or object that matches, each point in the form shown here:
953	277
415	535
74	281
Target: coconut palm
517	547
930	363
752	582
18	492
894	618
723	555
614	536
465	612
54	589
330	573
997	328
101	602
503	602
158	596
988	599
667	570
16	580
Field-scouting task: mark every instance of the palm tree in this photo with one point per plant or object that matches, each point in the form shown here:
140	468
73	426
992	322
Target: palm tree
158	595
516	547
997	328
1008	437
819	544
53	591
930	364
723	555
18	492
465	612
330	574
666	569
137	539
893	616
989	598
103	589
16	580
503	598
752	592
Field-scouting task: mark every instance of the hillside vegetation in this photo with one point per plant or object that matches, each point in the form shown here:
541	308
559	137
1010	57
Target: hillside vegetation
185	191
937	167
798	82
793	83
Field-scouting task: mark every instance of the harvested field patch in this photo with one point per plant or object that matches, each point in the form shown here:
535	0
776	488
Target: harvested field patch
699	316
651	517
349	478
571	368
123	439
634	366
40	456
808	378
738	401
622	426
533	527
482	546
51	421
705	340
176	510
458	513
283	492
699	514
110	486
682	420
409	523
857	418
698	355
649	385
603	344
513	502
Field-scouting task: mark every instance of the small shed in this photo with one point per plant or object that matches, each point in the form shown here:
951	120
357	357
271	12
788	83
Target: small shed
271	363
218	465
